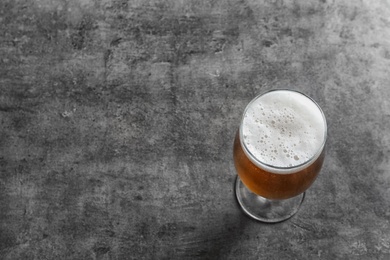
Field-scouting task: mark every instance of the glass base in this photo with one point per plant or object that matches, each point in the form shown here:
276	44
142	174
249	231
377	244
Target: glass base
265	210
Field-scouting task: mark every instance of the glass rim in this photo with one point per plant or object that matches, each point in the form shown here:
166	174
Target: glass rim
281	169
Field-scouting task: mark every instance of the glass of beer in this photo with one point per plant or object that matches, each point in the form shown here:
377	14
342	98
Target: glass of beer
278	153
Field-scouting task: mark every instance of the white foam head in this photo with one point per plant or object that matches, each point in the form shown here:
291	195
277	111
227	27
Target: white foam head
282	131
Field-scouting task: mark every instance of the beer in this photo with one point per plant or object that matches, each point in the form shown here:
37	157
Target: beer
279	147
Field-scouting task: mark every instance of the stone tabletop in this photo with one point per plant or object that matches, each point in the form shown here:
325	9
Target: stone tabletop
118	119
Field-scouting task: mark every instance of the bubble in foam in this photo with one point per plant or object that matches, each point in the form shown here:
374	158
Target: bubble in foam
288	120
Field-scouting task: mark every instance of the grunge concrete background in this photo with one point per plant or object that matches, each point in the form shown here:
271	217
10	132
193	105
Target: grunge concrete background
117	120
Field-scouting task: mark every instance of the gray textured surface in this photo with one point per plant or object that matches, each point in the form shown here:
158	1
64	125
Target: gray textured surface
118	117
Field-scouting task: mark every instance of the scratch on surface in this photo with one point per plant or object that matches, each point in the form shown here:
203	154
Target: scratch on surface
216	74
303	226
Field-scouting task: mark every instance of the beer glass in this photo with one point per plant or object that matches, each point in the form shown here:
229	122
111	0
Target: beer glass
278	152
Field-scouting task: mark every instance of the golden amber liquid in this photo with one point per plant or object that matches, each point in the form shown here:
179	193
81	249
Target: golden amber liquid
272	185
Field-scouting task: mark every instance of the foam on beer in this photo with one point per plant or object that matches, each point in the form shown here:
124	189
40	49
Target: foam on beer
281	130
